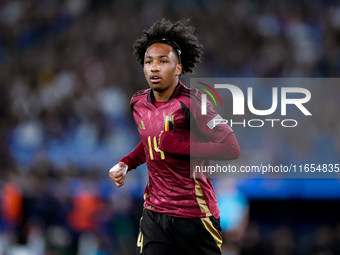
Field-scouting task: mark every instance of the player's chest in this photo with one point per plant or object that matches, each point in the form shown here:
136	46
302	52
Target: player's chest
151	120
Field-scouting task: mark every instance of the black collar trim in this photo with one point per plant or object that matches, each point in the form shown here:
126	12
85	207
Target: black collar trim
178	87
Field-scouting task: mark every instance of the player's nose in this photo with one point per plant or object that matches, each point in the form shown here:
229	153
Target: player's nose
155	66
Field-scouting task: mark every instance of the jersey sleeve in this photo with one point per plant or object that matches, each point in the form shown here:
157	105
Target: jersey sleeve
135	158
208	139
210	129
226	149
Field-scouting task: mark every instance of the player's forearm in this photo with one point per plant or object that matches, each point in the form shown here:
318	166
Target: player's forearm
227	149
135	158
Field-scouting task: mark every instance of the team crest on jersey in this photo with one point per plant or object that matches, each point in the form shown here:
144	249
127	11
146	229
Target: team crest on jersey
169	123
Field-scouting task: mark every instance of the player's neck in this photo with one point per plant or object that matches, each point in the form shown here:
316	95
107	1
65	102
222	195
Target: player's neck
164	96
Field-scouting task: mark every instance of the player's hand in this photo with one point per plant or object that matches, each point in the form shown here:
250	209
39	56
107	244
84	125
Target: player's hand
118	177
159	137
168	142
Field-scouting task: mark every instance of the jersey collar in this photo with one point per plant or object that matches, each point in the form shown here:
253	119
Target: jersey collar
178	87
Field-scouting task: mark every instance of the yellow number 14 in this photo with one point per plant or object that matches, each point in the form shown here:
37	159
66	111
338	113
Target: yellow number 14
155	147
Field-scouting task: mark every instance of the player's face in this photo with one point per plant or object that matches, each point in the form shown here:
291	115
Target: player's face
161	67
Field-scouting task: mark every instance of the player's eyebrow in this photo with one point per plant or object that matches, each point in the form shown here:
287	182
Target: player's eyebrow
159	56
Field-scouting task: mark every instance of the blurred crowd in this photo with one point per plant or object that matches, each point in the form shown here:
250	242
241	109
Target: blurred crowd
67	73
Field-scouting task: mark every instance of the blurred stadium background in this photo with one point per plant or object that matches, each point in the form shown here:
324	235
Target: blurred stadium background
67	74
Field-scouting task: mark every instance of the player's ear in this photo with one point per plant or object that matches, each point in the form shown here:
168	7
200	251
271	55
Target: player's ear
179	69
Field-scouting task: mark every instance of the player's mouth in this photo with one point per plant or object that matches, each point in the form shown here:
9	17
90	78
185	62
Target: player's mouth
155	78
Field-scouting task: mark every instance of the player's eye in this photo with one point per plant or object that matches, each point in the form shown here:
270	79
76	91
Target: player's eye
163	61
148	62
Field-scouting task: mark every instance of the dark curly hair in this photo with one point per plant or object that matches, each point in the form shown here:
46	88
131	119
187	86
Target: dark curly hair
179	33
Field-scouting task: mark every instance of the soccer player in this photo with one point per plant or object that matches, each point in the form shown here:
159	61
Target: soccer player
181	214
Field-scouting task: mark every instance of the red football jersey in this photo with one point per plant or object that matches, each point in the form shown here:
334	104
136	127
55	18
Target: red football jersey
170	189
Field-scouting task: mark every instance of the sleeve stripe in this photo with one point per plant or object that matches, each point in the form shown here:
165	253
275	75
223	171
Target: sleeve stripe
133	105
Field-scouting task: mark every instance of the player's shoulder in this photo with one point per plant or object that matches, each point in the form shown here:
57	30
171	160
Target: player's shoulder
143	93
191	98
139	96
185	91
189	95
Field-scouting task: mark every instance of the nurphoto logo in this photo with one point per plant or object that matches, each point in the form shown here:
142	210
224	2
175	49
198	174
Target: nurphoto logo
204	97
239	105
